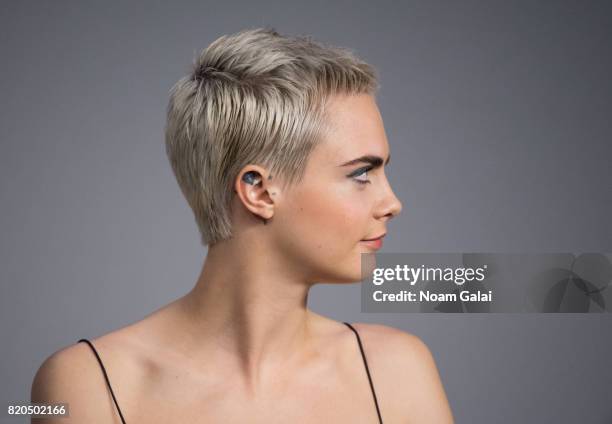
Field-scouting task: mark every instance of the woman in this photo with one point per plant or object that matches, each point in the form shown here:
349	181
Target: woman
279	148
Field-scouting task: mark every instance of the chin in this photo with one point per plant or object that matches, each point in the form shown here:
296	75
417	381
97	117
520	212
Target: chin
347	268
352	271
346	279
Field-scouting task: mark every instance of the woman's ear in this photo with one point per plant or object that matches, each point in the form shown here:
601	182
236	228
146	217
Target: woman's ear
256	189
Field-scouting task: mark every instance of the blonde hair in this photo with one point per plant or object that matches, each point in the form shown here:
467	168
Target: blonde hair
254	97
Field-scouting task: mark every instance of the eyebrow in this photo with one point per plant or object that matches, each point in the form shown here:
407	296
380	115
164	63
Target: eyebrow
375	161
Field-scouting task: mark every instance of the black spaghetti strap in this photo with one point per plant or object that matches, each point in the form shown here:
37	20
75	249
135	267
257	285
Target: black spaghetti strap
365	362
105	376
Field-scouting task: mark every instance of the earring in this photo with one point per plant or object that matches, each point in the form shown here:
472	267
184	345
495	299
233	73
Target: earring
251	178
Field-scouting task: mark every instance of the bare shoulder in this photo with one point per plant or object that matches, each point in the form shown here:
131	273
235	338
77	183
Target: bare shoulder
405	375
381	337
72	375
396	350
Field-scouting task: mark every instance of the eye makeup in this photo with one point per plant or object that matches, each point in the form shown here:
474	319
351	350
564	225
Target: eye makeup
359	172
374	162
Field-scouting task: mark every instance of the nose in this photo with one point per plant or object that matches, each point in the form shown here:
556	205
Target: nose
390	205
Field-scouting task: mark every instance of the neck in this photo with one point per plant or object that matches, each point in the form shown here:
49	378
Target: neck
250	308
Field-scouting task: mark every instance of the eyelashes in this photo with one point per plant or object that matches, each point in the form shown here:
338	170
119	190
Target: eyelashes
359	172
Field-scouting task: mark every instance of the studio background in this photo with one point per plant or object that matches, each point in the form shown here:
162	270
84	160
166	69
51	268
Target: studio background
498	118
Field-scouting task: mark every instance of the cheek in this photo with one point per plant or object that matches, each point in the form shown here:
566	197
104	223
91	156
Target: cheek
331	218
320	230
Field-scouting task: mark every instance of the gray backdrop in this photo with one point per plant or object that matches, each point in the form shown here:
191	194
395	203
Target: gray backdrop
498	117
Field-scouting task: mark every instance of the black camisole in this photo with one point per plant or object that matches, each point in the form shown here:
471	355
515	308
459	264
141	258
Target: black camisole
365	363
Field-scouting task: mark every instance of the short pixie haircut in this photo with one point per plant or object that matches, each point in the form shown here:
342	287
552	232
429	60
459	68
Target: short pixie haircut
254	97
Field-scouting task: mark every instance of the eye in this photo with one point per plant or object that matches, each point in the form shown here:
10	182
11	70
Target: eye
361	172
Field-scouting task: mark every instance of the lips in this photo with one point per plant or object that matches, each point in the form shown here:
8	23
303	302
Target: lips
375	238
374	243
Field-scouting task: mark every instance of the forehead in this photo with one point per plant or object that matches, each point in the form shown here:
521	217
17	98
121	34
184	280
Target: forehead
355	128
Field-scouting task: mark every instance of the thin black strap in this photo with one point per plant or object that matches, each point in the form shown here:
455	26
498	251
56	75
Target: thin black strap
105	376
365	362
